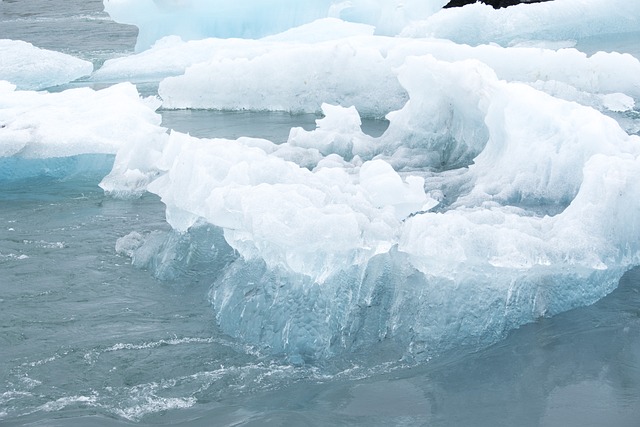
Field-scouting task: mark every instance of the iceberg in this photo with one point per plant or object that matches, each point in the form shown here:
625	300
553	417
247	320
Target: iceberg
361	71
485	205
171	55
552	21
47	126
298	70
198	19
333	61
31	68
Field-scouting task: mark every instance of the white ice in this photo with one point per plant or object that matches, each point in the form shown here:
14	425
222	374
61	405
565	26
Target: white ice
343	63
76	121
480	190
29	67
361	71
499	193
536	23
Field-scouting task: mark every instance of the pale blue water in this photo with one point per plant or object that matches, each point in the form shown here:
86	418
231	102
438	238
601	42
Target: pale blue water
88	339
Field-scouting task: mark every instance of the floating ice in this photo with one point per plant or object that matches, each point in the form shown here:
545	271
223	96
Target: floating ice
270	207
171	56
329	60
360	71
197	19
49	126
296	79
485	205
29	67
76	121
543	22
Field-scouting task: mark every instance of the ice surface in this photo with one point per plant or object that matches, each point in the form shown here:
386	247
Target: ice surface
170	56
485	205
41	125
360	71
29	67
197	19
329	60
527	23
296	79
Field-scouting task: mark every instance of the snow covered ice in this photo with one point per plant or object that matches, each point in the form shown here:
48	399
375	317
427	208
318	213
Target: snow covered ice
504	188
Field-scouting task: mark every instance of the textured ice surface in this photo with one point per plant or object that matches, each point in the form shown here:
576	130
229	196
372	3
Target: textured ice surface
29	67
330	60
50	126
485	205
530	23
171	55
362	71
197	19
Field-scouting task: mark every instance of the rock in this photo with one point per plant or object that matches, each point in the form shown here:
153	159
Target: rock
496	4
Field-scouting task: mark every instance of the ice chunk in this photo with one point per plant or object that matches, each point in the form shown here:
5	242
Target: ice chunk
41	125
618	102
338	132
197	19
312	222
75	121
361	71
539	213
298	78
171	56
322	30
549	21
29	67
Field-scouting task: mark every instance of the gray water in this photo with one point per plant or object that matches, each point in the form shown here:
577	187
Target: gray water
86	338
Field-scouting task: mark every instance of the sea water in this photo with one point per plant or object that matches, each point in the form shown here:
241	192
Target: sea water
86	338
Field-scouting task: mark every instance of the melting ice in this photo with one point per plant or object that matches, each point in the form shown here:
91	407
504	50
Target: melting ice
503	189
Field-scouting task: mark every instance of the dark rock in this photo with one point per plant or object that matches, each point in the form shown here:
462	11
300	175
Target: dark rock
496	4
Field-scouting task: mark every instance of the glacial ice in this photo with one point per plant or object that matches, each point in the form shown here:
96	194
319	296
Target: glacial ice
32	68
171	55
198	19
362	72
536	23
283	73
484	205
49	126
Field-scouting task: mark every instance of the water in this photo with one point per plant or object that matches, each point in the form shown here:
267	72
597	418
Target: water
88	339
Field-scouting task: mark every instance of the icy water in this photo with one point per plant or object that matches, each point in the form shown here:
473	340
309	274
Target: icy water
88	339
